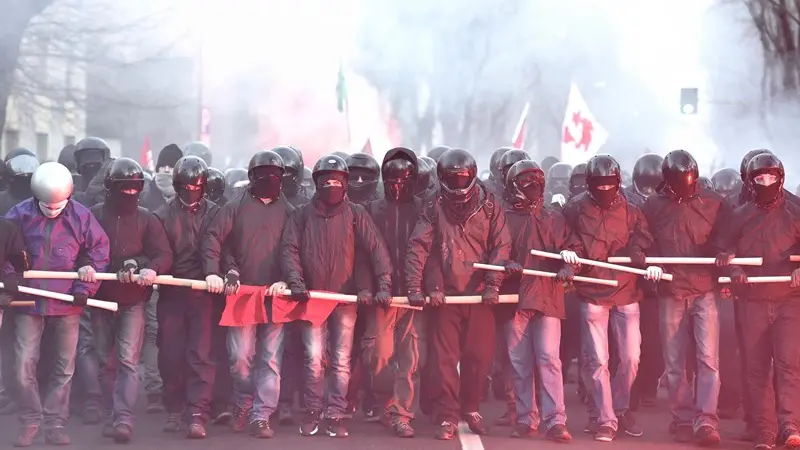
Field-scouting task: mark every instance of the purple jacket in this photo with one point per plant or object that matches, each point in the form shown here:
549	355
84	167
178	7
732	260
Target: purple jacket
56	244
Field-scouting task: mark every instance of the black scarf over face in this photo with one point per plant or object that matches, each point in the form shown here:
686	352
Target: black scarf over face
460	212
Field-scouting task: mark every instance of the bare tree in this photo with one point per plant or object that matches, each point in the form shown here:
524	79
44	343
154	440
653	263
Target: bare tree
778	25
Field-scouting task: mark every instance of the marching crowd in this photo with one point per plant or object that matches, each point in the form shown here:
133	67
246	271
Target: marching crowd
458	281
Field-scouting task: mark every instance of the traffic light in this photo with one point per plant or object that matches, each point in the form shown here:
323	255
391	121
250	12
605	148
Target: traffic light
689	101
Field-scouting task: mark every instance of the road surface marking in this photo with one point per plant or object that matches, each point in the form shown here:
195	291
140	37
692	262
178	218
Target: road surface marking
468	439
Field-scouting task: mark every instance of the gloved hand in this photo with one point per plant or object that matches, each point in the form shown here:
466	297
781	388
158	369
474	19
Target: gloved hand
277	288
654	273
514	269
416	299
11	283
491	295
299	293
724	259
364	297
216	285
796	278
146	277
125	275
87	274
570	257
383	298
5	299
738	276
565	274
232	283
438	298
80	299
638	259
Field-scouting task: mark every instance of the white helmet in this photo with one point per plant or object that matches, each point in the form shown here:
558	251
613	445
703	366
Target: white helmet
52	183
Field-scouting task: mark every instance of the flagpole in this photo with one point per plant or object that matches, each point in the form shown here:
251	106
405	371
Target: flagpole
347	119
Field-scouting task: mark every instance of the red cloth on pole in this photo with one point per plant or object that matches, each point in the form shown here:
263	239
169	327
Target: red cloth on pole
285	310
246	307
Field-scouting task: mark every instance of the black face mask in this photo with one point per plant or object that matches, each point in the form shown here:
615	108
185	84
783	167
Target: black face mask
331	195
90	170
559	186
362	185
533	192
190	199
577	185
267	186
122	202
604	198
765	195
290	184
20	187
398	190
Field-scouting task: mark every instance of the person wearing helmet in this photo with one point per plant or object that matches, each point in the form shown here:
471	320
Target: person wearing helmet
508	159
495	183
647	178
705	183
162	189
90	154
548	162
427	186
318	252
138	244
185	355
469	225
254	260
767	227
18	173
293	176
234	176
727	182
680	206
534	324
577	180
607	224
216	186
362	186
436	152
199	149
59	233
308	182
558	178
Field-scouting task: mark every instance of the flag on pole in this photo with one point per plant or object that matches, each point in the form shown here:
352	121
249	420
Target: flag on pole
367	148
251	306
518	139
581	133
341	90
146	155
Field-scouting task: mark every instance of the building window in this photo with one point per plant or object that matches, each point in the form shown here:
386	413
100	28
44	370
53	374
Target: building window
69	140
42	141
11	139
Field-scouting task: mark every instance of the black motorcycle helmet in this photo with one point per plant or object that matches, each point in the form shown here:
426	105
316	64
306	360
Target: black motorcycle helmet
457	172
90	154
340	154
577	180
308	180
549	162
18	152
364	174
648	174
680	173
726	182
265	158
293	166
122	174
399	179
436	152
198	149
558	178
510	158
329	164
705	183
233	176
424	175
603	170
525	183
190	179
765	164
18	173
747	157
494	163
216	185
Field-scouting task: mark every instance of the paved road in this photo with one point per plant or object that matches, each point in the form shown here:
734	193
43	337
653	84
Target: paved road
365	436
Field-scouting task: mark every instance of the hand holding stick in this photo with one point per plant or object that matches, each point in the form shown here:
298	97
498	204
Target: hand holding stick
605	265
538	273
108	306
687	260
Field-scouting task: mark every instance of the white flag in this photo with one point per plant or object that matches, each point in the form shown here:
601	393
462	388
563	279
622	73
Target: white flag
581	134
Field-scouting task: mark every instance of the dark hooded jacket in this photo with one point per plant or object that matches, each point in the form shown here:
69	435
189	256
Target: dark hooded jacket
245	236
137	235
482	238
684	229
620	230
318	247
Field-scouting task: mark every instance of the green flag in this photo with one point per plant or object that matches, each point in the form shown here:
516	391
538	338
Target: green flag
341	90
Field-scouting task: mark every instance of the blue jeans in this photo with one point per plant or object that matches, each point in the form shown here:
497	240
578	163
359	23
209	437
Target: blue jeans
534	338
611	398
122	332
337	332
150	374
263	380
87	372
55	408
685	321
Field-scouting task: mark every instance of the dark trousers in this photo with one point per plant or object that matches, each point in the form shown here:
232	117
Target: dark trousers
223	384
570	333
359	375
730	362
501	375
771	335
185	359
292	367
9	360
462	334
651	362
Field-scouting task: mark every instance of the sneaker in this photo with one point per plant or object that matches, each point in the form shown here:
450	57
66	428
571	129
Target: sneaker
92	416
792	439
591	426
56	436
523	430
222	418
707	436
506	420
475	423
173	423
310	425
154	404
605	434
196	430
403	429
763	446
285	415
108	430
336	428
683	433
26	436
239	420
764	442
447	431
373	414
627	423
122	433
558	433
261	429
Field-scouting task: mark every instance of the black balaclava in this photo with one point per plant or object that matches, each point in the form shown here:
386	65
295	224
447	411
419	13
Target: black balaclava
266	182
331	188
19	186
399	181
122	202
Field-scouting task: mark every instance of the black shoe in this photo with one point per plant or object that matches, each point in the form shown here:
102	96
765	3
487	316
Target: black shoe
627	423
403	429
683	433
173	423
26	436
261	429
196	430
506	420
336	428
108	430
56	436
285	415
222	418
373	414
707	436
591	426
154	404
605	434
239	420
92	416
310	425
764	442
558	433
122	433
447	431
523	430
475	423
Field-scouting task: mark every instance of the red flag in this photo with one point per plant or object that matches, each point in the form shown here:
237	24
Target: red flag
146	155
246	307
518	140
285	310
367	148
